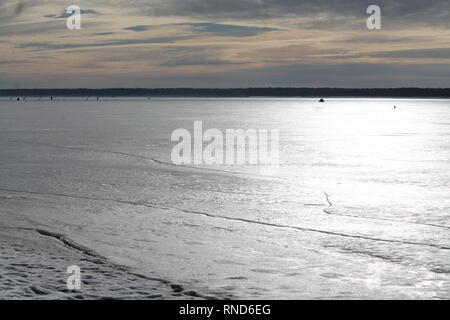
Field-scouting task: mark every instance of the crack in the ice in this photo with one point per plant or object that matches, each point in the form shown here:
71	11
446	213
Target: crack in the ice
330	205
166	207
309	229
154	160
69	243
77	247
237	192
327	197
63	195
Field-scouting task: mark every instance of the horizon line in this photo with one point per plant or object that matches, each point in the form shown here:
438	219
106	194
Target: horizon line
306	92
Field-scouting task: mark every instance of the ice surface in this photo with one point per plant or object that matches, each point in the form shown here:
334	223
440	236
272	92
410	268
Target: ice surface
361	197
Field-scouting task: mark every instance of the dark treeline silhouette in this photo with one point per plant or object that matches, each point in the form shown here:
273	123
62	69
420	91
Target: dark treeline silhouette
243	92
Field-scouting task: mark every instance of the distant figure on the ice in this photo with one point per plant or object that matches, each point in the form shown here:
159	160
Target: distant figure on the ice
321	100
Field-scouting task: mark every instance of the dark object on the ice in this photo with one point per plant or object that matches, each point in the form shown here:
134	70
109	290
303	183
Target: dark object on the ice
321	100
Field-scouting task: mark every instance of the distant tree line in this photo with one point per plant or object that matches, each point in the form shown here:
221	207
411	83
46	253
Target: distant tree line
237	92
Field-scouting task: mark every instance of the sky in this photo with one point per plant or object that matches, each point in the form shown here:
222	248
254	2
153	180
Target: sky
219	44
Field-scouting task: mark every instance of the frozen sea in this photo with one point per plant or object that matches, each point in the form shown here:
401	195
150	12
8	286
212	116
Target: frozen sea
359	208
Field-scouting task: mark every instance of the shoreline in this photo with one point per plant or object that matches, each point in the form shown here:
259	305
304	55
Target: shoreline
274	92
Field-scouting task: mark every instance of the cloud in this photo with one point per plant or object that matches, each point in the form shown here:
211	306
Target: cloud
39	46
437	53
65	15
206	42
11	9
138	28
198	60
300	75
375	37
228	30
431	12
103	33
216	29
30	28
332	75
14	62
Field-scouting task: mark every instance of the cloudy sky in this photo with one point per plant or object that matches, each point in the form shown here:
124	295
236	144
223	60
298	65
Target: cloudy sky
224	43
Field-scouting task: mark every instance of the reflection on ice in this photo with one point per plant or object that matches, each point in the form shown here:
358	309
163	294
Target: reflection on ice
358	208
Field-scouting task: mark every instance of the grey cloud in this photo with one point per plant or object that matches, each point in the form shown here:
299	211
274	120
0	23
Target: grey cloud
437	53
65	15
103	33
217	29
198	60
90	35
30	28
229	30
431	12
90	65
11	9
138	28
170	56
357	75
122	42
375	37
3	62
